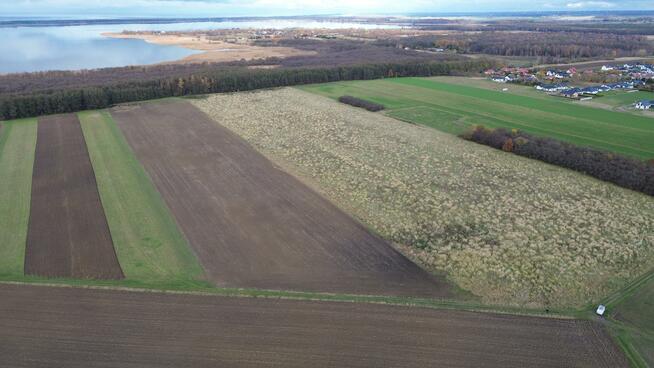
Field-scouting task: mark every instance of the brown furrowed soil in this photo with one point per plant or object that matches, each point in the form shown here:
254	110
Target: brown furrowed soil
68	235
74	327
253	225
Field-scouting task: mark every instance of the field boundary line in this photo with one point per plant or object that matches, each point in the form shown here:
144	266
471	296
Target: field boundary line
436	304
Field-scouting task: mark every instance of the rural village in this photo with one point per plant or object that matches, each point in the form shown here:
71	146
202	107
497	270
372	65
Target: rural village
575	84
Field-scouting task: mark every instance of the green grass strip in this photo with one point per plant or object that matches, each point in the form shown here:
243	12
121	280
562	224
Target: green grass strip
149	245
554	105
17	147
628	338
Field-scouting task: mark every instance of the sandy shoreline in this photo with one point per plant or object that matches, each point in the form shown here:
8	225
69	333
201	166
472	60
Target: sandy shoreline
214	51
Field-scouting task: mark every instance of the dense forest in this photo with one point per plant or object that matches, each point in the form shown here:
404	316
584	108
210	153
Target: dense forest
14	106
549	47
623	171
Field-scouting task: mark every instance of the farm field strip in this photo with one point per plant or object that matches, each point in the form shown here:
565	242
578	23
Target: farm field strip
17	146
610	99
509	114
484	83
149	246
611	118
508	229
68	235
134	329
486	115
250	223
550	118
543	123
569	122
623	99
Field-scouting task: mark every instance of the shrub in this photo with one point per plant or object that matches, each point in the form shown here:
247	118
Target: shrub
623	171
358	102
508	145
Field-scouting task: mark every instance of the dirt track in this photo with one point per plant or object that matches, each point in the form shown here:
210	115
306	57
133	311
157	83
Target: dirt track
67	327
253	225
68	235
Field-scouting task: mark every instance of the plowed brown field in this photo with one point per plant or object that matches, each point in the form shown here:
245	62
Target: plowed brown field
250	223
68	235
70	327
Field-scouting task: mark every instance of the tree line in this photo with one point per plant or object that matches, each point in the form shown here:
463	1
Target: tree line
623	171
13	106
624	26
549	46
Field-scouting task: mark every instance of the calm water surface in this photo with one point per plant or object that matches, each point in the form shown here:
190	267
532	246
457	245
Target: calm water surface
29	49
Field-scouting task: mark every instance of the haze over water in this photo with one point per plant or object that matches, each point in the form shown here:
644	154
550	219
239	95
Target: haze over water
30	49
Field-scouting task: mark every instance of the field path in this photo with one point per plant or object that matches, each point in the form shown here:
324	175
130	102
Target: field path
74	327
68	235
253	225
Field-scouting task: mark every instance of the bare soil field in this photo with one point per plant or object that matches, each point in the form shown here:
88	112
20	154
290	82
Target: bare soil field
68	235
73	327
253	225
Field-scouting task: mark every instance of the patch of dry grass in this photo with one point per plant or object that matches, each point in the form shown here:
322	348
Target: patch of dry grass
509	229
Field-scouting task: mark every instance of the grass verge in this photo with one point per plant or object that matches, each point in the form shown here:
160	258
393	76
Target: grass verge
17	147
631	320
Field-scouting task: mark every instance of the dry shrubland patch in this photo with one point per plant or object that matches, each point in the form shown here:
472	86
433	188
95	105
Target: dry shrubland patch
509	229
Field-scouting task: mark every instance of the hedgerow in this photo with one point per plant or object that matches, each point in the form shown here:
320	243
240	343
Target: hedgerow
620	170
358	102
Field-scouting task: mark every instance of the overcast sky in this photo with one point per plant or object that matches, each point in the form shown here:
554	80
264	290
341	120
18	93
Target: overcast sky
218	8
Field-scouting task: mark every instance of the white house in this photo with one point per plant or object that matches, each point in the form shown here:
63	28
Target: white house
644	105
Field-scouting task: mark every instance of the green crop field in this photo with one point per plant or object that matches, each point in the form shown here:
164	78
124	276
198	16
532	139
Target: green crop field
617	99
149	246
633	309
454	107
17	146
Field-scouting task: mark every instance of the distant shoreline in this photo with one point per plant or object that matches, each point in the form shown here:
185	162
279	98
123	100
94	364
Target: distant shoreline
213	51
387	19
118	21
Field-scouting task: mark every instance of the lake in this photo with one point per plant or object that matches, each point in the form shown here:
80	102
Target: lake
29	49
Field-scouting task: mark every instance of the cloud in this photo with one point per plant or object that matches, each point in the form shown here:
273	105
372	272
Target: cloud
220	8
590	5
